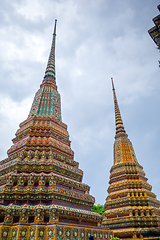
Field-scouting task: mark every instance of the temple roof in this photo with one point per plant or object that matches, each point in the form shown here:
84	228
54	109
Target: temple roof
154	32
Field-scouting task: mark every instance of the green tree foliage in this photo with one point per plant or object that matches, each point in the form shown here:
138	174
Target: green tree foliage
98	208
115	238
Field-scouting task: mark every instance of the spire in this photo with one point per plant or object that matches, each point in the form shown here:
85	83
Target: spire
118	120
47	100
50	70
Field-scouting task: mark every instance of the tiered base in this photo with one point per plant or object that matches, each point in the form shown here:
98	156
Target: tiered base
55	231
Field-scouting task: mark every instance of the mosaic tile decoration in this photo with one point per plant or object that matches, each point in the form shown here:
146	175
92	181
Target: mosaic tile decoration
42	195
130	205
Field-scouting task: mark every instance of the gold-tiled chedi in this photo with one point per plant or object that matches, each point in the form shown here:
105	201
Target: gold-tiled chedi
130	205
42	195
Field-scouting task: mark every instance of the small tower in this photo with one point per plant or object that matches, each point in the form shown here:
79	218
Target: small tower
131	206
41	191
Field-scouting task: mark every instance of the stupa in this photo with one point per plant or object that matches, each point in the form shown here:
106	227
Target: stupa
131	207
42	195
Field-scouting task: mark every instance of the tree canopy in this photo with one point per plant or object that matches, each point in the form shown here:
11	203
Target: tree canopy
98	208
115	238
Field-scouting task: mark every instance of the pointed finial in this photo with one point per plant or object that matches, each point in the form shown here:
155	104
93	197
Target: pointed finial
118	120
54	33
112	84
50	70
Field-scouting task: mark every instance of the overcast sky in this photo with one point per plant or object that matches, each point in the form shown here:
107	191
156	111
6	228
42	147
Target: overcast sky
96	40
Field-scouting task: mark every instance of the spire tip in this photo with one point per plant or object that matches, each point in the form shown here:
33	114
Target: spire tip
50	70
112	84
55	27
120	131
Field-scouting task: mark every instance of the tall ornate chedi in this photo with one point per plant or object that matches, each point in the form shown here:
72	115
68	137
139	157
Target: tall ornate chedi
41	194
130	206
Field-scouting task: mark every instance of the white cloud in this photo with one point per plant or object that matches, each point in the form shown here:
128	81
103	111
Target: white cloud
31	10
14	110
